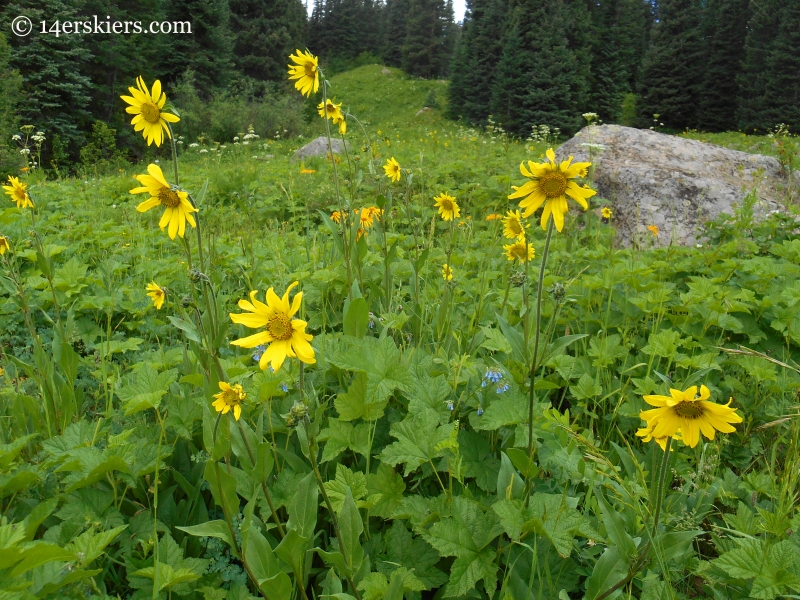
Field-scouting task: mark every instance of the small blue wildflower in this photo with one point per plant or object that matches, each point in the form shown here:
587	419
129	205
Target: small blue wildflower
493	375
450	405
371	324
259	351
480	411
284	387
503	388
483	383
271	370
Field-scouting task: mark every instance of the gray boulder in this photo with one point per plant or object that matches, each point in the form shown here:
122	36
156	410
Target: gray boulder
674	183
319	147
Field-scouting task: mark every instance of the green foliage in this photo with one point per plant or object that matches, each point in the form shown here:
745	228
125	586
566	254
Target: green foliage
9	98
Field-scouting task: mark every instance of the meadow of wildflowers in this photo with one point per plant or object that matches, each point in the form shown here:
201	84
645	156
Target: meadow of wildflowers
417	369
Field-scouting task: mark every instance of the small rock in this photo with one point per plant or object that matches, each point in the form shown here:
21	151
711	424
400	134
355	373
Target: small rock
673	183
386	71
319	147
423	110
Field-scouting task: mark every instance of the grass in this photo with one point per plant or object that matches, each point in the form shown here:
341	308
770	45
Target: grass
399	463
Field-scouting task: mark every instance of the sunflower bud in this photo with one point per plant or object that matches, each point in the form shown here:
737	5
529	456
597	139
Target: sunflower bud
196	276
558	292
186	301
518	279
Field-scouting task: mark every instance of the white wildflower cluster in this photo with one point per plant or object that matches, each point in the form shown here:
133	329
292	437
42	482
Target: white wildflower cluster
251	134
544	134
194	145
38	137
203	150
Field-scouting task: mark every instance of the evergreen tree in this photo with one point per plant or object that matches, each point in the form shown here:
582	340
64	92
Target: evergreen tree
265	32
672	66
475	60
618	41
538	78
420	56
208	51
761	34
782	98
9	99
56	92
394	32
447	32
725	27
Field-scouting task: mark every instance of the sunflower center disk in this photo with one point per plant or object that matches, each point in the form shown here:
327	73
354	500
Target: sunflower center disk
280	327
150	113
553	185
168	198
310	69
689	410
230	398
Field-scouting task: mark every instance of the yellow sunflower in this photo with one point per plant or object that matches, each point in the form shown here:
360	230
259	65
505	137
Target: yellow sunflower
550	184
494	217
448	207
519	251
18	191
306	72
4	244
653	229
334	113
229	398
606	212
447	272
392	168
178	209
513	226
156	294
285	336
336	216
147	106
690	414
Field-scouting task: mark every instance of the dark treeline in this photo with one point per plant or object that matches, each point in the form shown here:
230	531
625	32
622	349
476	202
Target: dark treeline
72	81
713	65
416	35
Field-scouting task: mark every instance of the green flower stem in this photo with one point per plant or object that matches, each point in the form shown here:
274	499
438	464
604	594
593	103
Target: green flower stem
642	558
545	252
313	457
264	488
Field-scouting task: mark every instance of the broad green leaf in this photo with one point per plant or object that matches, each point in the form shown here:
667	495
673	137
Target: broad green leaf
145	389
89	545
390	486
277	587
8	452
415	554
586	388
495	341
479	461
217	529
351	527
345	480
514	339
356	403
223	489
417	437
303	507
616	530
609	569
357	318
341	435
292	550
509	484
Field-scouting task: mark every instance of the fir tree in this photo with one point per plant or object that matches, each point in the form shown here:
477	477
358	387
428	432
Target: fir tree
265	32
761	33
725	25
395	29
9	99
672	66
208	51
56	92
420	56
782	98
538	78
447	34
475	60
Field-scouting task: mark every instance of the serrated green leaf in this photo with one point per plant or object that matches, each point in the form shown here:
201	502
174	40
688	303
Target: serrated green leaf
417	437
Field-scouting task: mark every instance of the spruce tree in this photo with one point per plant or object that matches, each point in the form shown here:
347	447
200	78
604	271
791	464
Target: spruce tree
395	30
447	34
10	96
672	66
56	92
420	48
761	34
725	28
782	98
208	51
475	60
265	32
538	78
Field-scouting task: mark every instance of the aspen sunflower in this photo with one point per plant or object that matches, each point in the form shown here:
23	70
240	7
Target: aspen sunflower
306	71
178	209
494	217
147	106
229	398
334	113
646	433
448	207
653	229
392	168
4	244
336	216
550	184
157	294
690	414
447	272
283	336
518	251
513	226
18	191
606	212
